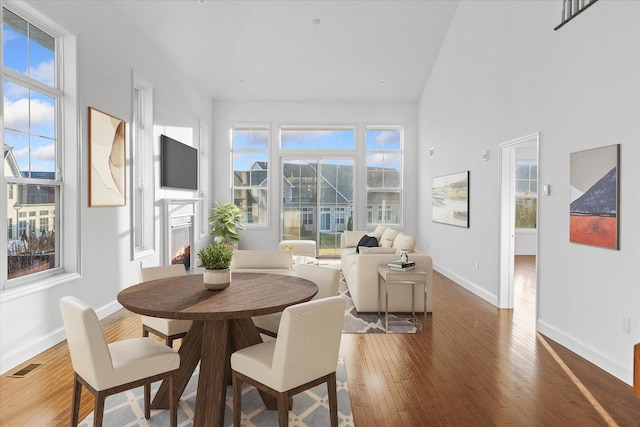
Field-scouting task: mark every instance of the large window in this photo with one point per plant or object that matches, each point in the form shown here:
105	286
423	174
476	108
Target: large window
250	154
318	176
526	194
384	175
39	118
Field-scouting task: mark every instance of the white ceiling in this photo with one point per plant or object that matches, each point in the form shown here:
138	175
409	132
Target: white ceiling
273	51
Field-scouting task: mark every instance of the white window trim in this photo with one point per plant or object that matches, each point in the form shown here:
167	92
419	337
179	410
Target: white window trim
204	177
70	155
148	246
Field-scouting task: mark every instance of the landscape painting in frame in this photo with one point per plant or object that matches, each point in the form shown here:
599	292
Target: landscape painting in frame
107	159
450	199
594	197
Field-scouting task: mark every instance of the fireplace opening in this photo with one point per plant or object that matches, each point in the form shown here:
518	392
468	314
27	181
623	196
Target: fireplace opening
181	241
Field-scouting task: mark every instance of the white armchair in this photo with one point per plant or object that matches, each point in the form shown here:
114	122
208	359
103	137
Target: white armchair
167	329
105	369
327	280
304	354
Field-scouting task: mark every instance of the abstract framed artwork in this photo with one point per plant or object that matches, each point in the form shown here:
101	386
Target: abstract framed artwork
594	196
107	159
450	199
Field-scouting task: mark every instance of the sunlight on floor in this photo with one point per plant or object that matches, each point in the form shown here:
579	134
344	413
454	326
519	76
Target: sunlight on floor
585	392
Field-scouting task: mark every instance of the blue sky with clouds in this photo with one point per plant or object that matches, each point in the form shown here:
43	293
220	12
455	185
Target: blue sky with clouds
29	116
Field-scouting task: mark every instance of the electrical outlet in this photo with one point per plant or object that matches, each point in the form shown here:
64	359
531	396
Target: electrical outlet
626	325
477	265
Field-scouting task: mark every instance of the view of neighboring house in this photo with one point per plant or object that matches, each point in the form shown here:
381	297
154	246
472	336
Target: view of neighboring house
30	221
325	188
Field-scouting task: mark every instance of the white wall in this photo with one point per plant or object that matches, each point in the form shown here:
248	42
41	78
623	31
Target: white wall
109	49
277	114
504	73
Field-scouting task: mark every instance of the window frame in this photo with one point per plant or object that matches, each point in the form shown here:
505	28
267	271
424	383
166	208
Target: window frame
373	216
203	180
253	126
522	195
142	167
67	165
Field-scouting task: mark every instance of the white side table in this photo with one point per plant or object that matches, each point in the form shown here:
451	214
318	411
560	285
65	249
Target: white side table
411	277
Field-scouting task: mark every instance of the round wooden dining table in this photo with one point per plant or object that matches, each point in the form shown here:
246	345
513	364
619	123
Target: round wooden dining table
221	324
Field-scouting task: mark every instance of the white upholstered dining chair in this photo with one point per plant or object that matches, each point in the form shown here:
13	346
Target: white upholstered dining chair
167	329
304	354
327	280
106	369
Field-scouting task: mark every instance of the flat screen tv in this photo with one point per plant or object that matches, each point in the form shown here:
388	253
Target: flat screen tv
178	164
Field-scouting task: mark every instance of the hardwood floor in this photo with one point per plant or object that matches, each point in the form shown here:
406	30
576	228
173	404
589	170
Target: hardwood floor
475	365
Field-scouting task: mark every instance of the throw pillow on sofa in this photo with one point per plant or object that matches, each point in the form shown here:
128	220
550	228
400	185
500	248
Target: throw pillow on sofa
351	238
378	232
367	241
403	241
389	234
386	243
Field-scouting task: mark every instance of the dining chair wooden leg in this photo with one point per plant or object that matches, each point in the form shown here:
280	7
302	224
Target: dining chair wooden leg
333	399
98	412
75	405
283	409
173	404
237	398
145	332
147	401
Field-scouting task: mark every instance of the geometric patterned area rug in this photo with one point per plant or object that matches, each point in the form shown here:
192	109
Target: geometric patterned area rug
310	408
371	323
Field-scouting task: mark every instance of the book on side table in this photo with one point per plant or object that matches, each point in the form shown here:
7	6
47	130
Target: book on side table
401	266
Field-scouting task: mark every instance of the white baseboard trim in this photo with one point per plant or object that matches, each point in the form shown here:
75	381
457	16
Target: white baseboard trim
468	285
599	359
45	342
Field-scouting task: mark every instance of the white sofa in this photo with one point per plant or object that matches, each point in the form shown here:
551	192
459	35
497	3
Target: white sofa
360	270
255	261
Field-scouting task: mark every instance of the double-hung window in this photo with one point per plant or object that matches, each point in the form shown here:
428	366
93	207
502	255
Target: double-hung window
40	148
250	158
526	194
384	174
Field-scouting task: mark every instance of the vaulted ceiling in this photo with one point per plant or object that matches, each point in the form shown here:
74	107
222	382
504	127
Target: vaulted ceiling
302	51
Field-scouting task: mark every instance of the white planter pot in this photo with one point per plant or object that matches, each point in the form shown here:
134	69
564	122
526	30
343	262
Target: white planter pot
216	280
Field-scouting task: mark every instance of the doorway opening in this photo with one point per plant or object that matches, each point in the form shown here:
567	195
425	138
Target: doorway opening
317	201
519	224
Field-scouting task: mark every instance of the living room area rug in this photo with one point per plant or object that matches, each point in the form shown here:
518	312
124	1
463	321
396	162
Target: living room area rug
371	323
310	408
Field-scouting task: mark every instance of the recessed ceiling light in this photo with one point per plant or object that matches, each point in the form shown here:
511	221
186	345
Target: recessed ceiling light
201	1
240	79
316	21
383	81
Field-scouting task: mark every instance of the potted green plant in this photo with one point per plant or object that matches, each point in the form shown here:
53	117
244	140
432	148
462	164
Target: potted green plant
216	260
226	221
